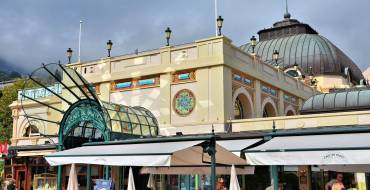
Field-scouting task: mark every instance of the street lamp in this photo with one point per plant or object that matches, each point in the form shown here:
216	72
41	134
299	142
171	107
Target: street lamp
220	22
168	35
69	55
295	66
310	75
253	43
313	81
275	57
109	47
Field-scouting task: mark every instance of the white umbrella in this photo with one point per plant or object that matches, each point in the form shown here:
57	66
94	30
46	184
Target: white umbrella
151	182
131	183
234	183
72	181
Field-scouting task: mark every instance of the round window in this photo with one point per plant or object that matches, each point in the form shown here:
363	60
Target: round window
184	102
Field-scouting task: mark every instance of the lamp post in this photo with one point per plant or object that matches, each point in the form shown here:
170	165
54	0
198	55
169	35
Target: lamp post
310	75
220	22
109	47
69	55
168	35
313	81
275	57
253	43
295	66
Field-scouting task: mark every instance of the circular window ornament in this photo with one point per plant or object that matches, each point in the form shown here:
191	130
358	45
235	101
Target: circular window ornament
184	102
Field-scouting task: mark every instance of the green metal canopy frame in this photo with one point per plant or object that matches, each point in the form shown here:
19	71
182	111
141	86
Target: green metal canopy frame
81	113
76	115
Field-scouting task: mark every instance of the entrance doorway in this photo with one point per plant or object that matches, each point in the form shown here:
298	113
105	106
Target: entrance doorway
21	179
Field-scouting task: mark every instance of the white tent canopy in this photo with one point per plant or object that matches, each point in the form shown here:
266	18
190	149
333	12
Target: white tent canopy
179	153
193	170
237	145
333	149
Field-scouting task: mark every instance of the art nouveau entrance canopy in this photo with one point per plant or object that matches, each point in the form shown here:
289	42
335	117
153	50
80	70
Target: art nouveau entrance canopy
81	116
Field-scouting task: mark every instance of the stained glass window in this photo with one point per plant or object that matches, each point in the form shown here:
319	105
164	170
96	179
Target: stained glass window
184	102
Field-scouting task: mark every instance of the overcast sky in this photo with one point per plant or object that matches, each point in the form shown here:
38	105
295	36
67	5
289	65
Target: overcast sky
36	31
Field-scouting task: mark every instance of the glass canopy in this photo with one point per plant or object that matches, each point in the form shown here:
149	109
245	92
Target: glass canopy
131	120
75	110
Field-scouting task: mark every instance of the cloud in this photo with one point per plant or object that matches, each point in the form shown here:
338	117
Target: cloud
41	31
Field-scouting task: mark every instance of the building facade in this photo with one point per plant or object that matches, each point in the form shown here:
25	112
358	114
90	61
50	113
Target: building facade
188	89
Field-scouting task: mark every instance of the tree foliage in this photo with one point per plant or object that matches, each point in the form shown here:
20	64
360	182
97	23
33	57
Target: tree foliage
9	94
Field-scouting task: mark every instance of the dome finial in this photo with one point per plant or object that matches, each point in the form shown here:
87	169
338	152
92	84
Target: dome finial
287	14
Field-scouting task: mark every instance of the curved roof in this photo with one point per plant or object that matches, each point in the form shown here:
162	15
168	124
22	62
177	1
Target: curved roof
298	43
131	120
338	101
307	50
84	114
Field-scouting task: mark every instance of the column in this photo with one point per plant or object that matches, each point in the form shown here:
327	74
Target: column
203	99
165	101
88	177
220	94
281	111
257	99
106	172
274	176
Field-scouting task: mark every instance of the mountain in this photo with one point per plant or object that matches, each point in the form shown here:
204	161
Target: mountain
8	72
5	76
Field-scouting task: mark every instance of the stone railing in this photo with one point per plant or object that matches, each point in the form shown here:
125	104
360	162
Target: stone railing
35	140
36	93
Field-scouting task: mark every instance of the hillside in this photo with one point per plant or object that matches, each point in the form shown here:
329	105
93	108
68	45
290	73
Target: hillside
6	76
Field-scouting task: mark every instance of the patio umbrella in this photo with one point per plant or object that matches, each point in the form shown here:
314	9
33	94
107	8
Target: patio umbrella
131	183
72	181
151	182
234	184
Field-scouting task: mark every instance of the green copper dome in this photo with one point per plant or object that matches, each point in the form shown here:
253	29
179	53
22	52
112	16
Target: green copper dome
353	100
298	43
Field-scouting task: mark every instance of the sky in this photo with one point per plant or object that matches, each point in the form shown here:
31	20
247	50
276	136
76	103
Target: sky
40	31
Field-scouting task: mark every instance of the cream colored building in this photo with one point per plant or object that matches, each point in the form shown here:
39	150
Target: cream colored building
218	74
209	83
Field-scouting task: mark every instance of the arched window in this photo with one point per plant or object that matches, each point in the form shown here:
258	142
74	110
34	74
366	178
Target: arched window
31	130
290	113
269	111
238	109
296	73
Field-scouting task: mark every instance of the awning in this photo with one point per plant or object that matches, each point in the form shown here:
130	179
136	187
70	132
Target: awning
333	149
193	170
235	146
359	168
35	153
179	153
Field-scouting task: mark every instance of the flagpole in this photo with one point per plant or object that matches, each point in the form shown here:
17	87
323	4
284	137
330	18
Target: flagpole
79	42
215	20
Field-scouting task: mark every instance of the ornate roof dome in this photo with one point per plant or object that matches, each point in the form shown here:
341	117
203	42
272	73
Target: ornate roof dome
337	101
298	43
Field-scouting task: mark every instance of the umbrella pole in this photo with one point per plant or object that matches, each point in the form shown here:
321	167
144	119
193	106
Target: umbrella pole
213	162
59	177
88	177
106	172
59	172
274	177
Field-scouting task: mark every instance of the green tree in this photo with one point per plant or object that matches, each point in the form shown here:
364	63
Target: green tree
9	94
